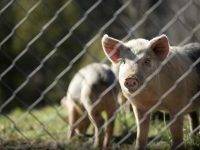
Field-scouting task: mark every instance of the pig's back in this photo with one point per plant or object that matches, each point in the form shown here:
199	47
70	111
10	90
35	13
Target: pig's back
95	74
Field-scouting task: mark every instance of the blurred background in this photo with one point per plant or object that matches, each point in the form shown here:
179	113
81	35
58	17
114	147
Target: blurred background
44	43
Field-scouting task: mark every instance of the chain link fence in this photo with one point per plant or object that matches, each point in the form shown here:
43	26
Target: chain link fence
44	43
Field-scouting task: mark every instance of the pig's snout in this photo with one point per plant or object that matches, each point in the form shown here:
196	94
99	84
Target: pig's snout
131	84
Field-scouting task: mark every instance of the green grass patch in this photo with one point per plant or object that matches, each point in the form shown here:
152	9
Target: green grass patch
46	128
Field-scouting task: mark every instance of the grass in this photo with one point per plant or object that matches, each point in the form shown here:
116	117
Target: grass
45	128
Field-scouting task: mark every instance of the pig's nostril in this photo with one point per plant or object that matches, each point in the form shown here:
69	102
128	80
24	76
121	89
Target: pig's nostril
133	83
126	83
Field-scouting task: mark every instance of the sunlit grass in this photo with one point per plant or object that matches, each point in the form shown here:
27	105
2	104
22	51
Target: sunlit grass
50	130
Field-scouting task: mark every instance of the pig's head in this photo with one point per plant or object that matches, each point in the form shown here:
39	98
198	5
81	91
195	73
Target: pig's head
137	58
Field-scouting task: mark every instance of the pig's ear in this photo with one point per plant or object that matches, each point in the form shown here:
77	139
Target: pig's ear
160	46
112	48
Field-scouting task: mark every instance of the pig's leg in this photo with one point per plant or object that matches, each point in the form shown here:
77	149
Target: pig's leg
68	103
97	122
176	129
194	121
142	128
83	126
72	117
94	114
109	129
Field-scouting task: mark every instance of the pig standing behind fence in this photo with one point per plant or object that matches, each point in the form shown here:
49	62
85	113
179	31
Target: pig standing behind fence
95	83
138	59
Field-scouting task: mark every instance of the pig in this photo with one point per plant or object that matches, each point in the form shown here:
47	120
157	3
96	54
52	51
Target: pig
94	83
138	59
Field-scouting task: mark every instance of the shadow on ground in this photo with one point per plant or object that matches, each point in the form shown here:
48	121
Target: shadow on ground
80	143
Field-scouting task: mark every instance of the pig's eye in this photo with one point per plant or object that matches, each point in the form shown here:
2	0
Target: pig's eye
147	61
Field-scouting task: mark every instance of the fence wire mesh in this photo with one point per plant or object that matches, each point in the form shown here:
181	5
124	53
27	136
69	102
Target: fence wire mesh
44	43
